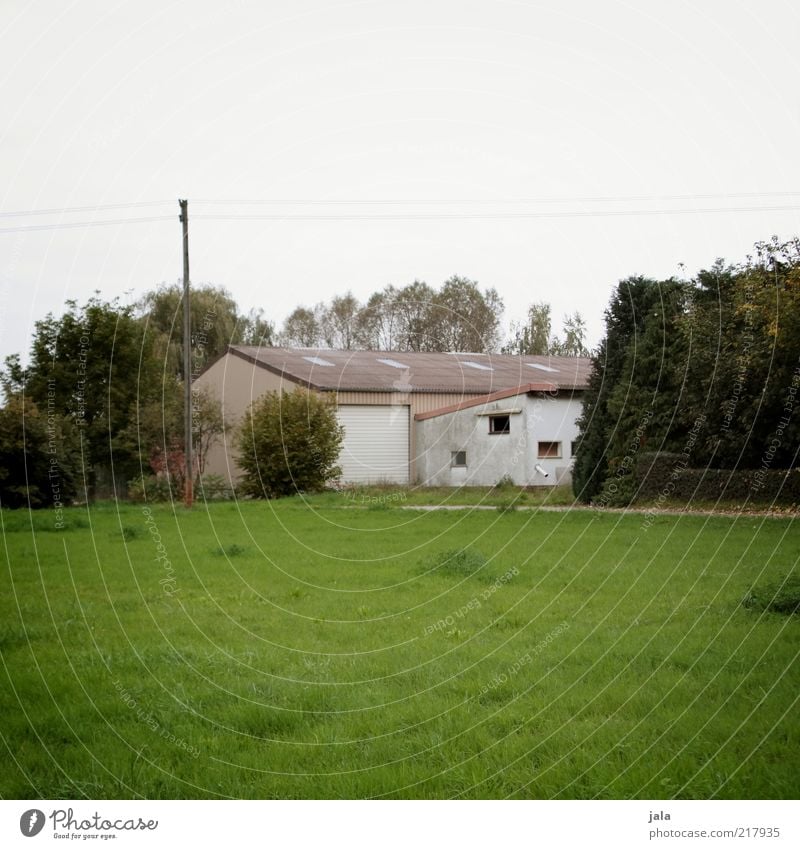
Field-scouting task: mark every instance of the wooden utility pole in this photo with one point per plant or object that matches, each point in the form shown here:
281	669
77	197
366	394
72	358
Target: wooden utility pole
187	360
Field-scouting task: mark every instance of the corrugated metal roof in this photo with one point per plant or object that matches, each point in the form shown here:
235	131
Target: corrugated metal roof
369	371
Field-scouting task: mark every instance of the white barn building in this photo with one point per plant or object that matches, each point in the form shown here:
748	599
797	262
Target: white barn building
414	417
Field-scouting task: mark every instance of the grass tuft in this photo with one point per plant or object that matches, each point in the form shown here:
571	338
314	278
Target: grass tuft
776	596
232	550
462	562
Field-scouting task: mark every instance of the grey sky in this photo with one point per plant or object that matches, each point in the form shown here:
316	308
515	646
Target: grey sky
131	102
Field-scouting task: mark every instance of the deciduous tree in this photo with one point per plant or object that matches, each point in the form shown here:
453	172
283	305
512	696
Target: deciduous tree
301	329
339	322
464	318
532	336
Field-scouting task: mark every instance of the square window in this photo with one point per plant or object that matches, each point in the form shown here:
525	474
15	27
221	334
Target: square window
549	449
499	424
458	459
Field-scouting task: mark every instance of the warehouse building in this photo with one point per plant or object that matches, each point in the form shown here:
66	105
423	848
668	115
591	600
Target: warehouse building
405	414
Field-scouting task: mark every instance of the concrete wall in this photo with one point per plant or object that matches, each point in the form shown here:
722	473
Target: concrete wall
490	457
236	383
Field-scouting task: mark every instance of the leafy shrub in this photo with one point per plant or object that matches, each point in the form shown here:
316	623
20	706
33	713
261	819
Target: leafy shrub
663	475
288	443
152	488
777	597
214	488
617	491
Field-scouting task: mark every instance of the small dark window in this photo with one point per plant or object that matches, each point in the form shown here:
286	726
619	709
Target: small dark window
574	449
458	458
499	424
549	449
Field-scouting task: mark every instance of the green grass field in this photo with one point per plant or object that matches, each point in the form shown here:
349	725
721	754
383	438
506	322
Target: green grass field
314	649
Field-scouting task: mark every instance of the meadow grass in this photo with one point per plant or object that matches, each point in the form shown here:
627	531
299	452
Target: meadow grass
311	648
501	495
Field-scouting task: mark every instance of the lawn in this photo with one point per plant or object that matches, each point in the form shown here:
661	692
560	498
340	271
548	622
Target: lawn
337	649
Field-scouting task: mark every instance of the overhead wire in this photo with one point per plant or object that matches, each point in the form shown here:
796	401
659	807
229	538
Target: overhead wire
66	210
485	201
70	225
461	216
427	215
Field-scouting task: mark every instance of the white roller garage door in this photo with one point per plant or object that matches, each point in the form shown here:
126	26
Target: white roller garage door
375	447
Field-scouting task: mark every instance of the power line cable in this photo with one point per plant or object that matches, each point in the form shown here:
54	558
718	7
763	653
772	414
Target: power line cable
70	209
488	201
70	225
461	216
67	210
406	216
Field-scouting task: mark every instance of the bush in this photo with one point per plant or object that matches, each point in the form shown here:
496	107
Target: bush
617	491
665	476
288	443
214	488
152	488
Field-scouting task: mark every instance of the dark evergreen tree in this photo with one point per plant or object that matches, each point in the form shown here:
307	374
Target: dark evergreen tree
611	374
589	470
647	405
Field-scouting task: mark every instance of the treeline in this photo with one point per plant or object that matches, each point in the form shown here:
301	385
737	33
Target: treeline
705	372
100	401
458	316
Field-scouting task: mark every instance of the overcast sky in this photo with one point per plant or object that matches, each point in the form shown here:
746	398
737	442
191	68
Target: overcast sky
520	109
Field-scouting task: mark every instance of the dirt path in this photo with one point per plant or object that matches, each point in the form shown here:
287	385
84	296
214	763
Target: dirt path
778	513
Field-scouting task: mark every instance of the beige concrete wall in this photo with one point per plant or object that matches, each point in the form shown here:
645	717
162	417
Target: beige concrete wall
236	383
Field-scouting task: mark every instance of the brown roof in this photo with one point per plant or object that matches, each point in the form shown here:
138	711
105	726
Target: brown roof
487	399
395	371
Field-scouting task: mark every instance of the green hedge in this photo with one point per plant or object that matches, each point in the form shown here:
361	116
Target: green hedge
666	476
